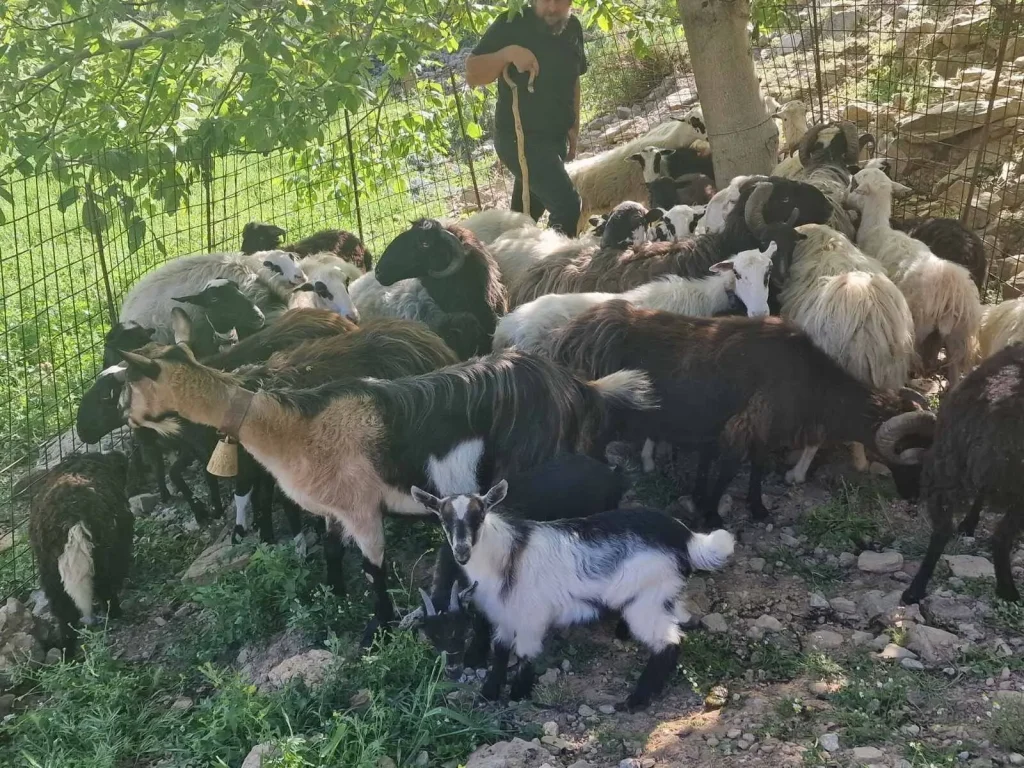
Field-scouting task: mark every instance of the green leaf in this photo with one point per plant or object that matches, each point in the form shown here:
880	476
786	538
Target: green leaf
93	218
67	198
136	234
474	131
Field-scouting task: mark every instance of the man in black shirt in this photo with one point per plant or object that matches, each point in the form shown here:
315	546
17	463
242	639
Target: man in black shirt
545	47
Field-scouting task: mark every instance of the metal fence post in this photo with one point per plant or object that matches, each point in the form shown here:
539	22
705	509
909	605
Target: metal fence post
465	138
355	178
206	172
815	38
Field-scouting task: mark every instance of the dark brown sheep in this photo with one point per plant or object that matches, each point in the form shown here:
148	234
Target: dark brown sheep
259	236
976	459
80	531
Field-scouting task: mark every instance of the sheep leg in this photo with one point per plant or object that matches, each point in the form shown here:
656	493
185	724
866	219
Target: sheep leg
1003	540
647	455
68	615
114	607
942	532
154	455
970	523
798	474
495	679
292	511
213	486
755	502
136	467
183	460
700	483
728	466
479	648
859	457
383	610
334	558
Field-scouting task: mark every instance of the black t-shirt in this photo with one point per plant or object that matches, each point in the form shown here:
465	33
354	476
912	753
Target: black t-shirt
550	109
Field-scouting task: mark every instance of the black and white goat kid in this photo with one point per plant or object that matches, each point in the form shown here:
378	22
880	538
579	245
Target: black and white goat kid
531	576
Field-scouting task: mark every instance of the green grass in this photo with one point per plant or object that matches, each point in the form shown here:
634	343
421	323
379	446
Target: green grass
707	660
850	520
818	576
1008	726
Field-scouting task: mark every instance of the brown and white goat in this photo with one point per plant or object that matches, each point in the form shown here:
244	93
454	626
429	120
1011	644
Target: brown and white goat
742	386
346	450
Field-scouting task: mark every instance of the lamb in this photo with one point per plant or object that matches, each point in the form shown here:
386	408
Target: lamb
1001	325
942	297
609	177
344	449
488	226
611	270
328	279
80	532
628	224
743	386
659	163
677	223
793	116
534	326
950	240
149	302
430	271
718	208
257	236
532	576
976	459
851	310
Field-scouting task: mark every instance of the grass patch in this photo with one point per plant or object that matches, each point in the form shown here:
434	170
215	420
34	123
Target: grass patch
774	663
930	756
656	489
1008	615
1008	726
103	712
790	720
819	576
708	660
850	520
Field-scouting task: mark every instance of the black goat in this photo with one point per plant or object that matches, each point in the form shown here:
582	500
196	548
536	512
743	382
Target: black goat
976	459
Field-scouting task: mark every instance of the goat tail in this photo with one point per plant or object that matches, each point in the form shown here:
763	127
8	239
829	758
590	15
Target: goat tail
710	551
627	389
77	569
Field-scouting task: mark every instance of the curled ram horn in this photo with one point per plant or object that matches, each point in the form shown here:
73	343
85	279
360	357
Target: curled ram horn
898	427
852	155
753	212
457	260
912	396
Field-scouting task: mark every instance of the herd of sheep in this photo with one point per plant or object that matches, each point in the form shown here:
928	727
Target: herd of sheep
479	371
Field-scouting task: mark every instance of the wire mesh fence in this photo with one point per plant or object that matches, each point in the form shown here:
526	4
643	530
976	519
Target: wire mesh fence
939	84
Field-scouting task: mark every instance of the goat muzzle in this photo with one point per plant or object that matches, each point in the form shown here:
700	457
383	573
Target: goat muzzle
904	425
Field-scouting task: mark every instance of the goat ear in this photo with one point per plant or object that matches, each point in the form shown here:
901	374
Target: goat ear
182	325
496	495
594	220
193	299
722	266
900	190
428	500
653	215
139	366
637	158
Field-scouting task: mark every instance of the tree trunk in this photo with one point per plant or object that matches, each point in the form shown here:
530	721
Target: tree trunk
744	140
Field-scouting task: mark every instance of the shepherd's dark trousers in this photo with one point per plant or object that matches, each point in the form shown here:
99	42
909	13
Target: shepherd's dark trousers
551	188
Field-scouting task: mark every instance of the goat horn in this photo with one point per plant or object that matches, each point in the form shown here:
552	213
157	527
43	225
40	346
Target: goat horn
909	395
753	212
467	593
453	600
852	142
900	426
457	261
428	604
793	217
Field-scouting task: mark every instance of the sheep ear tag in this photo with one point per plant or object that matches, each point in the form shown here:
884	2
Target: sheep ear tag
224	459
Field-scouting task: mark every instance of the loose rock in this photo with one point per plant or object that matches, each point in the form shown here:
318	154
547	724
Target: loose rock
585	711
310	667
769	623
868	753
260	753
933	645
912	664
879	562
143	504
896	652
819	602
843	605
715	622
829	742
823	640
970	566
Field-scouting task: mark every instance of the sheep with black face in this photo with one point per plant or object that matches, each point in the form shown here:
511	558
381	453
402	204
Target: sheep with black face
430	271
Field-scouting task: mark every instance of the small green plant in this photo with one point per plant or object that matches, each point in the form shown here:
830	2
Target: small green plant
1009	615
850	519
774	663
1008	726
820	576
619	76
923	755
708	660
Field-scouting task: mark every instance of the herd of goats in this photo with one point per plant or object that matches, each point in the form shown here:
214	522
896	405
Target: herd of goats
480	369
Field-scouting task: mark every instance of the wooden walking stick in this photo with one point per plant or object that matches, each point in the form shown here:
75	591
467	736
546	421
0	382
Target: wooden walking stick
520	140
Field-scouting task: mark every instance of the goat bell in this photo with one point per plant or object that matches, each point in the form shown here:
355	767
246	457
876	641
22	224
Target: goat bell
224	459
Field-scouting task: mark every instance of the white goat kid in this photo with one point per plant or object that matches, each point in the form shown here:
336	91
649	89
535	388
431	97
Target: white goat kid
532	576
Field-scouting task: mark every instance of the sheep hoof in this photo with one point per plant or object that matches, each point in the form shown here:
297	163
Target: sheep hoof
238	534
491	691
795	478
1009	594
369	634
910	598
648	465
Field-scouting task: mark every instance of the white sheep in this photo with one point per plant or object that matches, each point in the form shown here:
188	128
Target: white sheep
267	277
1002	325
609	177
327	280
852	311
942	296
491	224
677	223
718	208
517	250
534	326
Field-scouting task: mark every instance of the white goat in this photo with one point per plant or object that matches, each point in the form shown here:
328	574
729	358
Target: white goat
1002	325
942	296
532	576
852	311
267	277
328	277
609	177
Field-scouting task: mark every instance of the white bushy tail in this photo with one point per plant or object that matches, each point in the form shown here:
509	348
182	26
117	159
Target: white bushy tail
710	551
627	389
77	570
